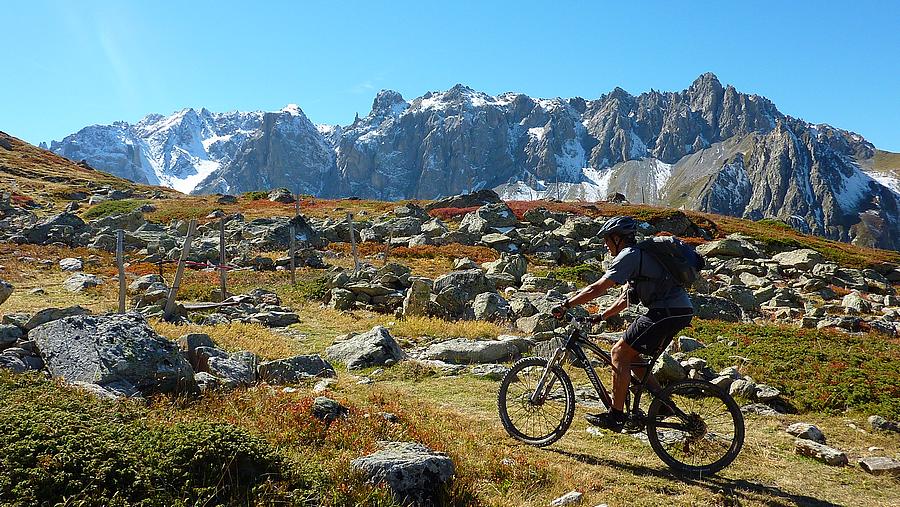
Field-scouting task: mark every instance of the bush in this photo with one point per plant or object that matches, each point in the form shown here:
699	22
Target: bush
109	208
822	371
59	446
255	195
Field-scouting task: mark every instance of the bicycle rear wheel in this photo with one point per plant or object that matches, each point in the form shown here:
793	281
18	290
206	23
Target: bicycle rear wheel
706	439
540	423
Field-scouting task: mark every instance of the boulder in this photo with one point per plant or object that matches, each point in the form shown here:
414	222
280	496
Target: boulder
716	308
71	264
879	423
275	318
145	282
80	281
806	431
489	218
9	334
373	348
341	299
478	198
281	195
489	371
189	344
766	392
803	259
237	369
417	297
512	264
880	466
820	452
328	410
294	369
570	498
855	304
667	369
471	281
687	344
743	388
6	290
414	473
50	314
491	306
728	247
112	350
464	351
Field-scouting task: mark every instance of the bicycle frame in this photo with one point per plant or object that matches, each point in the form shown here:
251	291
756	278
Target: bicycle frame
575	344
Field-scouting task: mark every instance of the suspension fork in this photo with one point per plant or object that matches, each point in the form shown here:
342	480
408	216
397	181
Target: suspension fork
541	391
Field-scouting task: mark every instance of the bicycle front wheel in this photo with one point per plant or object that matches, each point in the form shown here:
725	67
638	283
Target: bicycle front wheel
695	427
537	423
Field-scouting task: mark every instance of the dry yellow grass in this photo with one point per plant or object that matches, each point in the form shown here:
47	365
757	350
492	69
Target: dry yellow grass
258	339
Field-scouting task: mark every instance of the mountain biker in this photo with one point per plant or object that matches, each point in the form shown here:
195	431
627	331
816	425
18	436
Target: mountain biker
646	280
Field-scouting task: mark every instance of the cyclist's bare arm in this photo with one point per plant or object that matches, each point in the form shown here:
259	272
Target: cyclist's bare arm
590	292
616	308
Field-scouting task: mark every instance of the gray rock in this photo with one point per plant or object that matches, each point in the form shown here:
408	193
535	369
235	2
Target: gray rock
667	369
820	452
570	498
531	283
6	290
13	364
417	297
743	388
238	369
281	195
716	308
806	431
489	218
294	369
206	381
373	348
759	409
489	371
855	304
275	318
71	264
766	393
80	281
471	282
112	349
880	466
50	314
341	299
328	410
9	334
803	259
515	265
464	351
145	282
687	344
879	423
413	472
723	382
491	306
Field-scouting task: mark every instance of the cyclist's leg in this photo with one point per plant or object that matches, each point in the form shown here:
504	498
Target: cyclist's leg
622	357
656	338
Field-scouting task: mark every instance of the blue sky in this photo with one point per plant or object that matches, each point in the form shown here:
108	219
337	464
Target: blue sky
68	64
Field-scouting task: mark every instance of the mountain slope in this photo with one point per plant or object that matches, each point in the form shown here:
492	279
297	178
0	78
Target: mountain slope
176	151
708	147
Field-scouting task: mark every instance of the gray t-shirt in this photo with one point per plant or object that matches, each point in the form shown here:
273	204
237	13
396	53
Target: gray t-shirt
624	268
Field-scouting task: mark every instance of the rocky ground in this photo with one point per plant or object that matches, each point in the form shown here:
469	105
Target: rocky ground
390	365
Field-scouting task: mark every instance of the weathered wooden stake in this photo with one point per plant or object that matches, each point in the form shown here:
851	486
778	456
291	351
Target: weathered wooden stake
297	204
120	263
222	270
353	243
185	250
293	254
387	247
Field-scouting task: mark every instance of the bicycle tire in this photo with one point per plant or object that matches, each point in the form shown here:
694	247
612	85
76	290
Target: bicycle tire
696	389
520	431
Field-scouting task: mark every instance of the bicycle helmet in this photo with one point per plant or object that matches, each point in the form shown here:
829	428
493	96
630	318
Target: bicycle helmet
623	226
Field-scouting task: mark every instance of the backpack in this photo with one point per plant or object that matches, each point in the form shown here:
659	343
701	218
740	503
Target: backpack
678	258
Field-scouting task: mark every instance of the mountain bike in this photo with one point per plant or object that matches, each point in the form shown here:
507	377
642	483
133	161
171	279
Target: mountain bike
694	426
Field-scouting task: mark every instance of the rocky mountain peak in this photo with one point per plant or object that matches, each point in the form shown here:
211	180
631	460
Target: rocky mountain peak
388	102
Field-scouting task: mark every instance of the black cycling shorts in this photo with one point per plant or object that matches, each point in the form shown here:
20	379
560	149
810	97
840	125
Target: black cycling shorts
650	333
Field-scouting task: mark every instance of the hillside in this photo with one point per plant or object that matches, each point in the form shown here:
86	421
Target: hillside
220	423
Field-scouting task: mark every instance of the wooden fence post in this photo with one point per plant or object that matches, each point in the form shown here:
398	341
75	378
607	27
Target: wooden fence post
120	263
185	250
353	243
293	254
222	270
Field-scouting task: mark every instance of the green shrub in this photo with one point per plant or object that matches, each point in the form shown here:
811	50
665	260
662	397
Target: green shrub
109	208
60	446
816	370
255	195
580	274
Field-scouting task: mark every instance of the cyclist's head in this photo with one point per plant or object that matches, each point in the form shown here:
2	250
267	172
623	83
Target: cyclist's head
619	232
